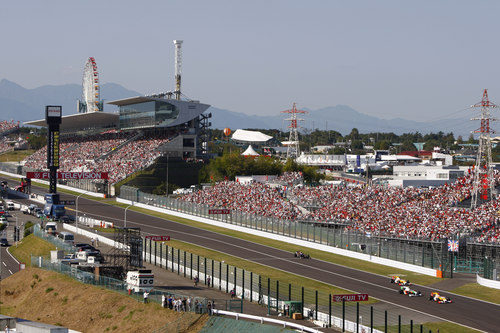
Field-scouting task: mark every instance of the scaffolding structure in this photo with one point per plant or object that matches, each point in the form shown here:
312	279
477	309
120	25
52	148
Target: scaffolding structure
293	147
127	249
483	187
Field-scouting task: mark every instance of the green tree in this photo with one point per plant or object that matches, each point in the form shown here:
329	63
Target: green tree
382	145
408	146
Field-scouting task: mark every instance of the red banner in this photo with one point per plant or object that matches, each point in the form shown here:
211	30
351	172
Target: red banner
158	238
68	175
219	211
350	298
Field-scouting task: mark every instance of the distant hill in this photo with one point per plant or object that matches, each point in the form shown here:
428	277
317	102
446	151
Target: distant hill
19	103
343	119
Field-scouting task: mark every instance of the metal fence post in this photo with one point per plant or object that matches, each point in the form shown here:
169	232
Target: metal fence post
329	310
243	284
212	276
399	323
343	315
166	257
385	322
235	280
277	294
303	305
205	269
150	250
260	289
289	291
156	244
184	263
316	310
227	278
371	319
251	287
411	326
161	255
220	275
178	261
173	260
191	266
357	317
198	266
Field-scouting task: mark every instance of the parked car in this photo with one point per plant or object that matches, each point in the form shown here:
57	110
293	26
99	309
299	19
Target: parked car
66	237
4	241
3	220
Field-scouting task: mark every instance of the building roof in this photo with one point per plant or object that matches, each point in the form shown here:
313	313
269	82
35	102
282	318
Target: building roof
250	152
82	120
250	136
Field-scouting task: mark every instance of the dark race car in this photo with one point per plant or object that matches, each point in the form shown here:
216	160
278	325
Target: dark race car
301	255
439	299
405	290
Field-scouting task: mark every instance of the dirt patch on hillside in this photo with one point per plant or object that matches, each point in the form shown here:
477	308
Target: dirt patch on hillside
56	299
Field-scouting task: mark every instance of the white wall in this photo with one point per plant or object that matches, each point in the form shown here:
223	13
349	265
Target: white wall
487	282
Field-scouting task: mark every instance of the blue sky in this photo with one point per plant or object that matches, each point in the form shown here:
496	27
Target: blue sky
416	60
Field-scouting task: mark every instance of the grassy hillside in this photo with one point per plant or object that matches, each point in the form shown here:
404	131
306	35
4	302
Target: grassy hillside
31	245
56	299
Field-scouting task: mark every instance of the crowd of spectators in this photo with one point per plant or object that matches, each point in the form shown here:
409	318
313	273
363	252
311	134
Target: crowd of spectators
391	211
294	177
4	145
89	154
254	198
6	126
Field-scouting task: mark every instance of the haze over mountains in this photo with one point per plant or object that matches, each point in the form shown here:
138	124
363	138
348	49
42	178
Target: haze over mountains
19	103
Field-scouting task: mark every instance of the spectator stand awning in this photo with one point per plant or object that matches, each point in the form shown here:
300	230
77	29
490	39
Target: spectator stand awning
250	136
82	121
250	152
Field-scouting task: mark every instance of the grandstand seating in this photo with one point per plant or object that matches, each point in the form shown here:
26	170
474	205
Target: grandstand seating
396	212
83	154
6	126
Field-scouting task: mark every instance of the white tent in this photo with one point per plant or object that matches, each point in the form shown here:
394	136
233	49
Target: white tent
250	136
250	152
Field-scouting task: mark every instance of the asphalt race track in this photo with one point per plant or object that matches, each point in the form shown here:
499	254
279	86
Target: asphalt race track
469	312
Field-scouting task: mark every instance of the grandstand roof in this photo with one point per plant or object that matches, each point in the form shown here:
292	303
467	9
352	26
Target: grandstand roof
132	100
250	136
82	120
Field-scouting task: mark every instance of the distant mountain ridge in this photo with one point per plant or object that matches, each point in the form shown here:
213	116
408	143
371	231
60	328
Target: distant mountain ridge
19	103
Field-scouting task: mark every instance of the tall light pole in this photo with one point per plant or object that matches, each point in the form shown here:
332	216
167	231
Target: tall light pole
76	214
125	217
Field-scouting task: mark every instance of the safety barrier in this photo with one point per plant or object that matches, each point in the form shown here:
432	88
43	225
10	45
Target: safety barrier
288	238
487	282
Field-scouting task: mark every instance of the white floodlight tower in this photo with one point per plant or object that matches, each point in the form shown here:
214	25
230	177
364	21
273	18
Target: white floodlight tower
178	63
483	181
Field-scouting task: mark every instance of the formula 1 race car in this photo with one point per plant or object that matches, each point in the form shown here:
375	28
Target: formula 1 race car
405	290
301	255
399	281
438	298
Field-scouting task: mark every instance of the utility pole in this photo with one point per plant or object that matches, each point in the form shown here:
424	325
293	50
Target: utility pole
483	172
293	149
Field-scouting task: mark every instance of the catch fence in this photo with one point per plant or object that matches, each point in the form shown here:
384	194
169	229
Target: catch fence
273	293
425	253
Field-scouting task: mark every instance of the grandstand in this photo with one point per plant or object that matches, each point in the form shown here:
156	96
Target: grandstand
123	143
409	213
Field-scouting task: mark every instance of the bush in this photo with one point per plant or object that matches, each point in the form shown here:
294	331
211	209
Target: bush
27	228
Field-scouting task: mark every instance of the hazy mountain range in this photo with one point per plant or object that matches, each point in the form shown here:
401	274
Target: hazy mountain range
19	103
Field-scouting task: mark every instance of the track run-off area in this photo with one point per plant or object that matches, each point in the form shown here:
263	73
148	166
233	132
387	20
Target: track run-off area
473	313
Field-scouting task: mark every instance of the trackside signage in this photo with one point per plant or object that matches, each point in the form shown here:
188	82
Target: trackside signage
350	298
158	238
219	211
68	175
